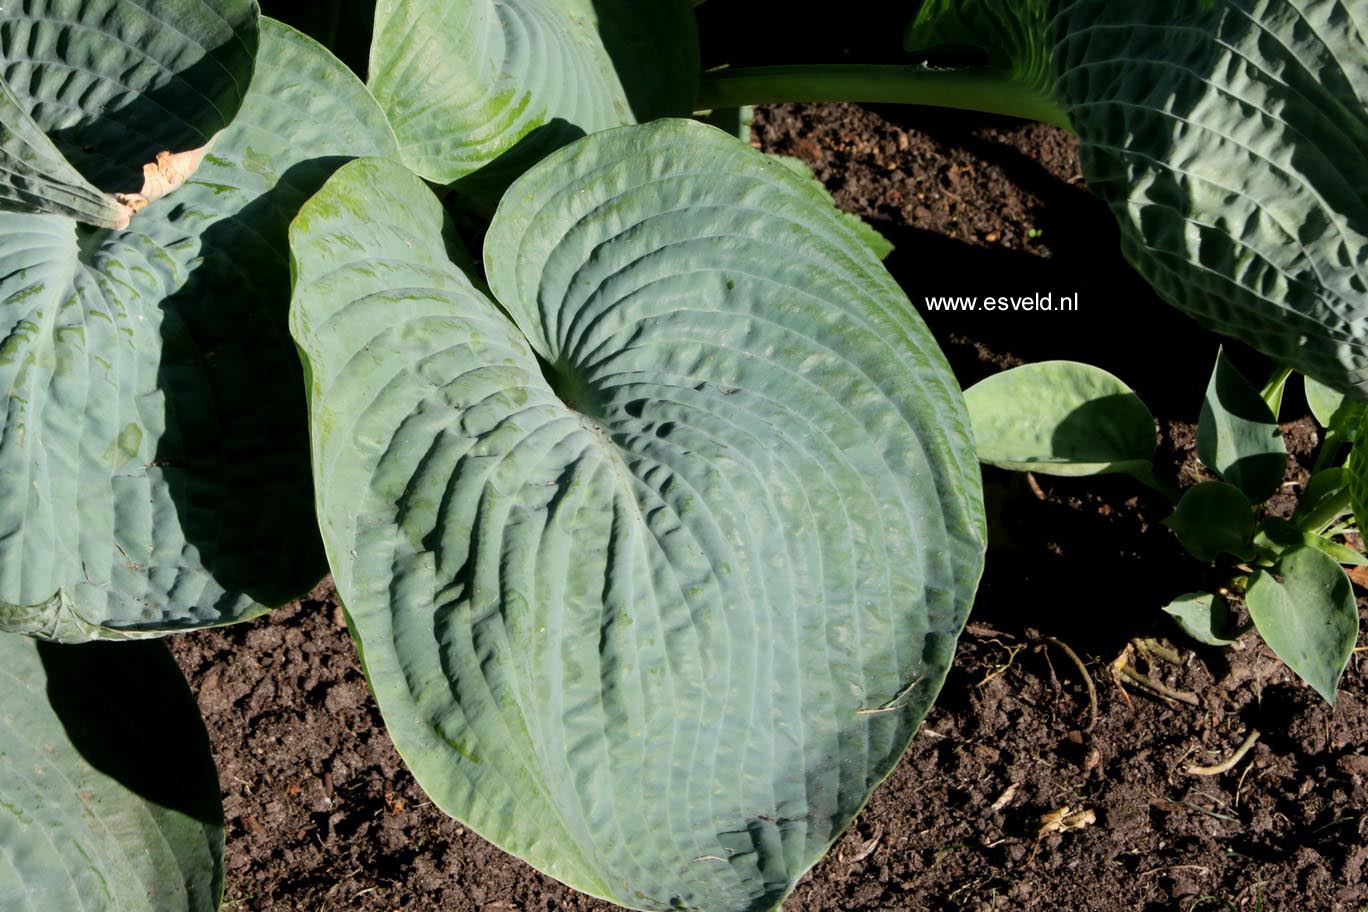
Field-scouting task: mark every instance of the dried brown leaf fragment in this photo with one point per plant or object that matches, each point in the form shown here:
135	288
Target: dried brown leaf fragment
160	177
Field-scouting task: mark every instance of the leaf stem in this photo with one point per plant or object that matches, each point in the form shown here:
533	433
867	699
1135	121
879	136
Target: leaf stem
976	89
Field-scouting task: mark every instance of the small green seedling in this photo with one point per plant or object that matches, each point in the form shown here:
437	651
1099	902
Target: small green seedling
1070	419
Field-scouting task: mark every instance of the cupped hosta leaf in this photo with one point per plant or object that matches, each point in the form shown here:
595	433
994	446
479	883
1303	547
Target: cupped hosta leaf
654	581
1228	137
1304	609
112	83
1008	30
469	82
1060	418
109	800
153	460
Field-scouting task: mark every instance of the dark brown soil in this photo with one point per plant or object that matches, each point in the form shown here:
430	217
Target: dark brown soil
322	814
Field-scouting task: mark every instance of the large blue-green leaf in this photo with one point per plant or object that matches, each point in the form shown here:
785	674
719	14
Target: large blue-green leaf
92	91
655	580
109	801
153	457
1229	138
469	82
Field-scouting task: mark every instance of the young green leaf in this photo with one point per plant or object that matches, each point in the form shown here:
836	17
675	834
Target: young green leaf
1272	392
1277	535
1237	435
1204	617
468	83
154	470
1060	418
711	485
110	796
1228	138
1304	609
1325	499
1342	554
1322	400
1214	518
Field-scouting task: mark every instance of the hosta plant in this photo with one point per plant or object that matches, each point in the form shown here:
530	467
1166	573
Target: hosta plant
656	533
1071	419
656	523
